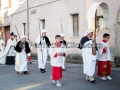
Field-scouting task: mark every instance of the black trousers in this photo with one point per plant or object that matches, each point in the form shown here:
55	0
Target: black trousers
10	60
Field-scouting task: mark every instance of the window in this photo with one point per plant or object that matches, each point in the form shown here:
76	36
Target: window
74	25
24	28
42	24
9	3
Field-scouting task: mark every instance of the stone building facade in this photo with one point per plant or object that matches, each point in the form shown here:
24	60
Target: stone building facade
73	14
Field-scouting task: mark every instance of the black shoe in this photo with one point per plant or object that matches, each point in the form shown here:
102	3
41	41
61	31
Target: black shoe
44	70
63	69
40	69
30	62
93	81
26	72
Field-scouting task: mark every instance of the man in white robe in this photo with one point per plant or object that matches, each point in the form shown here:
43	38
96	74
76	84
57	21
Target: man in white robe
15	37
2	43
10	59
89	60
2	55
22	49
42	44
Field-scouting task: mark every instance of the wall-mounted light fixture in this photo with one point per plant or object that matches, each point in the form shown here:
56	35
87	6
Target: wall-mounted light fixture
33	11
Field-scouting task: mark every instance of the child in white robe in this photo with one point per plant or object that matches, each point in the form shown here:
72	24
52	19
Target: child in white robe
104	59
57	54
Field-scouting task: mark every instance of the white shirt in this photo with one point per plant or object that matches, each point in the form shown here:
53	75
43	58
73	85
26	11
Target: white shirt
103	56
57	62
11	51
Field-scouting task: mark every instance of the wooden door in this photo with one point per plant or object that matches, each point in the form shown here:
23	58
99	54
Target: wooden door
7	33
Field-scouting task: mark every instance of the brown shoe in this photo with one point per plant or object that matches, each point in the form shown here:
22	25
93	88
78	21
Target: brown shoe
17	72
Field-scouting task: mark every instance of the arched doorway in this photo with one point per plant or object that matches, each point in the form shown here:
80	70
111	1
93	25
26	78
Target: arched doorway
92	15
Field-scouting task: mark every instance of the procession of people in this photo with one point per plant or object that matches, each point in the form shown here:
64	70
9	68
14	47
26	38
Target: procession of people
19	53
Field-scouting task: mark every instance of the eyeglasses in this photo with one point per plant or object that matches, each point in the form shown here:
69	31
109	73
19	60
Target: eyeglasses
108	37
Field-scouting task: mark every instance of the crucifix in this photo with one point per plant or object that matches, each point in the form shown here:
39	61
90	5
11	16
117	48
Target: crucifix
97	18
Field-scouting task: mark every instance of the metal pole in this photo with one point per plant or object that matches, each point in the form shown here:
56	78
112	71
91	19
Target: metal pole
61	26
17	32
28	19
94	48
41	42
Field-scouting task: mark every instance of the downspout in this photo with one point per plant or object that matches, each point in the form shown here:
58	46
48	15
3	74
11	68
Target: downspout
2	20
27	19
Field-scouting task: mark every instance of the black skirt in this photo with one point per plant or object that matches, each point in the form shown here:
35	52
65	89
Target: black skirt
10	60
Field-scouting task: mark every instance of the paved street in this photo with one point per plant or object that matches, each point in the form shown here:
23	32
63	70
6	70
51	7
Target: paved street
73	79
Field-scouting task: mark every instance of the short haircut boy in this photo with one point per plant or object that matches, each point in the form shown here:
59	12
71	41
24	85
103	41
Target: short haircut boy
106	35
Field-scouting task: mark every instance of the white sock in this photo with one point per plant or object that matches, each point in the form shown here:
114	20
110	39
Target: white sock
58	81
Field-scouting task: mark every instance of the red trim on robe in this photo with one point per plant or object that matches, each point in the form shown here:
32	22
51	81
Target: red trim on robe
104	41
104	68
56	73
64	54
104	50
29	58
55	55
58	44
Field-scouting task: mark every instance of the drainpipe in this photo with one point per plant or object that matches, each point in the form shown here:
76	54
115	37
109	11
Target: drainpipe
27	19
1	20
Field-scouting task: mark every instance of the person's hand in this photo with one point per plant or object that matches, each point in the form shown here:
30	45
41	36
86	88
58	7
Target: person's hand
94	39
41	49
64	52
12	46
58	54
105	48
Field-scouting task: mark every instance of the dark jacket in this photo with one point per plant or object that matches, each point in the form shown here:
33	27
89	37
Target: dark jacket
19	46
82	41
63	42
46	40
